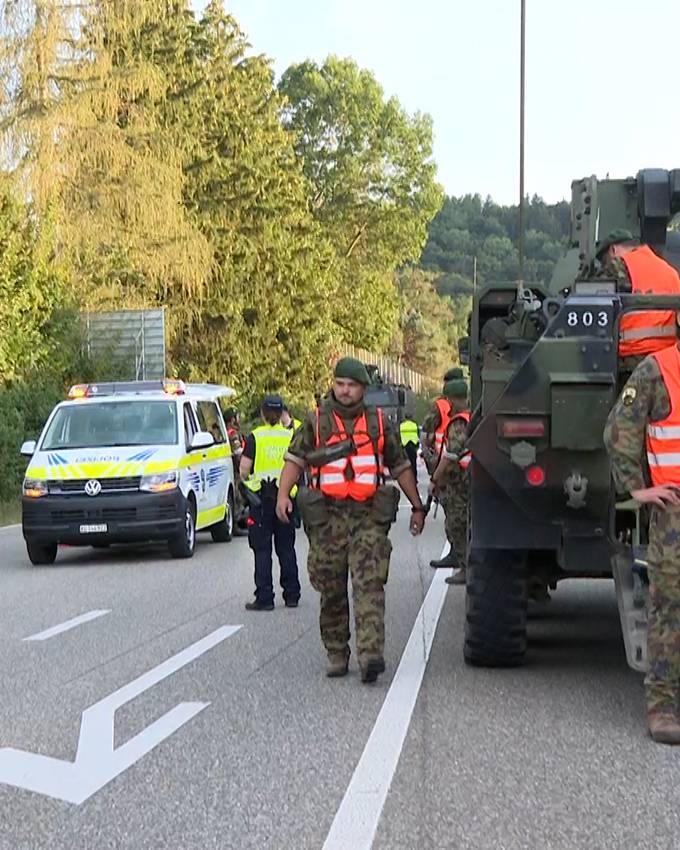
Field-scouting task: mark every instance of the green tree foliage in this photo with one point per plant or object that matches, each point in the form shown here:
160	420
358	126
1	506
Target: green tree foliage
373	183
468	228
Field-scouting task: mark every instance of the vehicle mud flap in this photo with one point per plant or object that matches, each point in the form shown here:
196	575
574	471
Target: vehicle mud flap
628	565
496	608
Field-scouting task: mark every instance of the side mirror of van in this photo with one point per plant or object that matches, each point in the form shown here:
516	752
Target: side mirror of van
464	350
201	440
28	448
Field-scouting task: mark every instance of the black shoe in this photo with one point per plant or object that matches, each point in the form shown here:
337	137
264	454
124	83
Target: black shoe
372	670
292	603
447	562
259	606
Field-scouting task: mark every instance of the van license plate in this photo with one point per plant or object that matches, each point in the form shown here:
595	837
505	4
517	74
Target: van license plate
102	528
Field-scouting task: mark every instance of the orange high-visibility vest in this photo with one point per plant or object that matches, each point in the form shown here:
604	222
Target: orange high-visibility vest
663	436
445	419
466	457
357	476
646	331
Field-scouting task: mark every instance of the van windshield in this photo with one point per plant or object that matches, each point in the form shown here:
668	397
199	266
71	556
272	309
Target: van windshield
93	425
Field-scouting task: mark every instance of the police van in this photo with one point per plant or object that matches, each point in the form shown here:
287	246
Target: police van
130	462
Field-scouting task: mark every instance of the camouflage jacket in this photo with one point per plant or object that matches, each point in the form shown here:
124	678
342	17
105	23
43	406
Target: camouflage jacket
644	399
304	439
615	269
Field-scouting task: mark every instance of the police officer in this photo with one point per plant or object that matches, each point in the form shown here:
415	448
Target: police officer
641	437
451	481
410	440
435	428
347	513
261	466
637	269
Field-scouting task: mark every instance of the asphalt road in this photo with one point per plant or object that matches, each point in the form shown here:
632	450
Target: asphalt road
554	755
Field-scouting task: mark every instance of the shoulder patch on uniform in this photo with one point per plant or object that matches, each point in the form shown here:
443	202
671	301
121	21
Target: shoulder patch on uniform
629	395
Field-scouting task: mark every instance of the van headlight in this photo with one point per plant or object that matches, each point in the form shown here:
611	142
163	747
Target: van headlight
160	483
33	488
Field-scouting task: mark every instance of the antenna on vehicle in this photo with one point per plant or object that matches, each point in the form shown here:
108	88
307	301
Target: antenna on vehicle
520	236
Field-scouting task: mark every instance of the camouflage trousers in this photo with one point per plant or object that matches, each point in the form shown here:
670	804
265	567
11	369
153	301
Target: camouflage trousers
350	543
454	501
663	638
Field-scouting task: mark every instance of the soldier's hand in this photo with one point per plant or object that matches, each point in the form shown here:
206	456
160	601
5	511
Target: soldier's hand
417	522
284	508
433	489
662	495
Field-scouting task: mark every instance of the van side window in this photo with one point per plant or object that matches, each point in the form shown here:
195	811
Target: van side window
190	426
210	420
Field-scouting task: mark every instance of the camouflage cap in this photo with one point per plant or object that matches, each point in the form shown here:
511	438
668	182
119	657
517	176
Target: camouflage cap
614	237
350	367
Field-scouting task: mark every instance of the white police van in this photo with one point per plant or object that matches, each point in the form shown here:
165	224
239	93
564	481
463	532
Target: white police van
130	462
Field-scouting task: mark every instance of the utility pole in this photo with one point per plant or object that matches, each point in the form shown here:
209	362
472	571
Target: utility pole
520	240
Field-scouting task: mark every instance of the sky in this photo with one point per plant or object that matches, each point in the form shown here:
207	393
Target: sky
600	83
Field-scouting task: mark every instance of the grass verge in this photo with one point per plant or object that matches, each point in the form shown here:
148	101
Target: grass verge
10	513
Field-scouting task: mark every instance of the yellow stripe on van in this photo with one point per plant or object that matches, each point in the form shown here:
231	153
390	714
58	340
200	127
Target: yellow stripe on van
210	517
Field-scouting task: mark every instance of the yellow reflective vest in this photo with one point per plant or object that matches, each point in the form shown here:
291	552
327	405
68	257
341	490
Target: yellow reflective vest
410	433
271	444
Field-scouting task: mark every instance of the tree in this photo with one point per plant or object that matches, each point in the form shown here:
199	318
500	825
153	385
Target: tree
373	185
81	137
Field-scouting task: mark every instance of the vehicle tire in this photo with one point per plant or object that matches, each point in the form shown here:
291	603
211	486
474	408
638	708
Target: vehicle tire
184	543
496	608
223	531
41	554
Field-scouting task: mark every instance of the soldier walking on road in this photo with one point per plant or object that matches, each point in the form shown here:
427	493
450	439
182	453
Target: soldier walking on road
642	439
347	513
450	480
261	466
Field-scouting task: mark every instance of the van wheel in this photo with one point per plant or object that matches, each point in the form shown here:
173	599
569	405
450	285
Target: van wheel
223	531
41	554
184	543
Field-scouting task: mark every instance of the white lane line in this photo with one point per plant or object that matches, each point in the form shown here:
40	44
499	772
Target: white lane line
69	624
356	820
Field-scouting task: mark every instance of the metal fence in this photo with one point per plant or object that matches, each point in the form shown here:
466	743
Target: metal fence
134	337
391	370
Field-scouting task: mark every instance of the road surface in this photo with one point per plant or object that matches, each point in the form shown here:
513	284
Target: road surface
207	726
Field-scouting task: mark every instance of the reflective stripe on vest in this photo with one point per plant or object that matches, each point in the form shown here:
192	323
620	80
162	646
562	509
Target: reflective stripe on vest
409	432
646	331
445	419
663	436
357	476
271	444
466	457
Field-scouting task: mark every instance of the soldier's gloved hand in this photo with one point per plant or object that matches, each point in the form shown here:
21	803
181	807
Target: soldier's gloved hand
662	495
284	509
417	521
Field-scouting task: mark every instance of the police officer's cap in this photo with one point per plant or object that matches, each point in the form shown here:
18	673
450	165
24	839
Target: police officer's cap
272	402
614	237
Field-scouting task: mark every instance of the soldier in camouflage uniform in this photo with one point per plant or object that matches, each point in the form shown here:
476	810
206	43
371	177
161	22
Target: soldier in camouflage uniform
645	400
349	536
451	478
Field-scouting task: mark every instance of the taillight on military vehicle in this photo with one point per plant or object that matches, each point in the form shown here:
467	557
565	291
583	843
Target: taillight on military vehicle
535	476
523	428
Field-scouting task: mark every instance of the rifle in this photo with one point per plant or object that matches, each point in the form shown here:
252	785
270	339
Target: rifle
329	454
428	505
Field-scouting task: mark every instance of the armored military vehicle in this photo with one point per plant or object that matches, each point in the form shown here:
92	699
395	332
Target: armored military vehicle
394	399
544	376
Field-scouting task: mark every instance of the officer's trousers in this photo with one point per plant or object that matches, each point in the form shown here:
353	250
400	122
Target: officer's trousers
264	528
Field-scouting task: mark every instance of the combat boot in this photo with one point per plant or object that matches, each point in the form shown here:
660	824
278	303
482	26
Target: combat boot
372	669
449	560
337	665
664	726
459	577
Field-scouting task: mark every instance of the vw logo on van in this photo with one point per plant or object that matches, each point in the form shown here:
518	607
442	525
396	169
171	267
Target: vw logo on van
93	487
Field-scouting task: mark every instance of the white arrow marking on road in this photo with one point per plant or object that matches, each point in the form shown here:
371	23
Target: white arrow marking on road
97	762
69	624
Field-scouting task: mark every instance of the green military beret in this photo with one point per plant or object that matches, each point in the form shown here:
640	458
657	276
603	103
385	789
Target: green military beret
456	389
455	374
614	237
350	367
